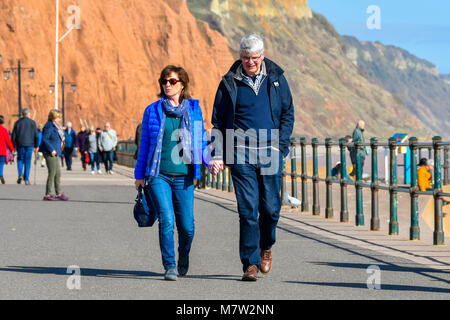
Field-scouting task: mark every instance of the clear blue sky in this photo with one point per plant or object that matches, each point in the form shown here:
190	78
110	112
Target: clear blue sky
420	27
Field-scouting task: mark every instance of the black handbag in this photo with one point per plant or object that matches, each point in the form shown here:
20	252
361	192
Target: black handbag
144	211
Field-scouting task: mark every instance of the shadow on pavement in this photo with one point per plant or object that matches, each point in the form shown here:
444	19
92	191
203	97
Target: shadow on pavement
391	287
103	273
362	240
387	265
70	200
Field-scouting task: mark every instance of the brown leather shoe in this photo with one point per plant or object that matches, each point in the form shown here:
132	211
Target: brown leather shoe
251	274
266	261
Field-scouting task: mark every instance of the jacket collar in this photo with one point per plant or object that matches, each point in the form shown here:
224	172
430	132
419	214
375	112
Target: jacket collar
272	69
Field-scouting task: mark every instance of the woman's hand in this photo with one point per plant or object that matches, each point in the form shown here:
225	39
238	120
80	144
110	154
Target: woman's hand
53	153
139	183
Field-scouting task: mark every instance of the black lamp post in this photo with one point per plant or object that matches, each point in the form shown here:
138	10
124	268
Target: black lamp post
73	88
19	68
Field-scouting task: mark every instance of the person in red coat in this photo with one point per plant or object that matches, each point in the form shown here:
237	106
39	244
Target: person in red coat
5	142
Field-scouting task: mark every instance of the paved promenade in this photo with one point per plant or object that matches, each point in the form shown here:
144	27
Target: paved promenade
314	258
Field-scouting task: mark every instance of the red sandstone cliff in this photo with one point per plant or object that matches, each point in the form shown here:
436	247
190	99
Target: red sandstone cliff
115	58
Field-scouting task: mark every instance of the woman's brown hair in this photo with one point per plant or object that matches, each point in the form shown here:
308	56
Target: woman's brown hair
53	114
182	75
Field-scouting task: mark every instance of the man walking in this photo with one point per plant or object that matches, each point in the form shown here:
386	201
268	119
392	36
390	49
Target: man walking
358	136
69	145
254	101
26	140
108	143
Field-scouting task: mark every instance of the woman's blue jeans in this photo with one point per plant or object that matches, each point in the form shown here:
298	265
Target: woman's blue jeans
95	160
173	198
2	163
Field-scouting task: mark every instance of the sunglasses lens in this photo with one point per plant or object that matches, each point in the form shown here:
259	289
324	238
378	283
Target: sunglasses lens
171	81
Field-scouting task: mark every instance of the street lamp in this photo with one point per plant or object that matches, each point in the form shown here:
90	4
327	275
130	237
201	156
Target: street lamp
53	88
19	68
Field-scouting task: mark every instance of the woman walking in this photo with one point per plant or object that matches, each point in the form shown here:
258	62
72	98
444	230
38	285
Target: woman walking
170	154
92	148
5	143
51	147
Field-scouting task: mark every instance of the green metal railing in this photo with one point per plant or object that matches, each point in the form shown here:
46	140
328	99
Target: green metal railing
435	149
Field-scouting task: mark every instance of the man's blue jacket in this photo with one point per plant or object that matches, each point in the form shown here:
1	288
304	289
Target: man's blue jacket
281	105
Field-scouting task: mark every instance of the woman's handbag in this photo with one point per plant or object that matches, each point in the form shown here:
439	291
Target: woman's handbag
144	211
9	156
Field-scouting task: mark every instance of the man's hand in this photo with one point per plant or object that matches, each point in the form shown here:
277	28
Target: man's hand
139	183
216	166
53	153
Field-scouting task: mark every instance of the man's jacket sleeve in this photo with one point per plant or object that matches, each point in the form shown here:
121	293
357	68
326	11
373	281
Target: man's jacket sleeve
218	121
287	117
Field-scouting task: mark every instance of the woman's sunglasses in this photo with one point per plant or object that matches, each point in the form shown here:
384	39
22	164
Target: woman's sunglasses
172	81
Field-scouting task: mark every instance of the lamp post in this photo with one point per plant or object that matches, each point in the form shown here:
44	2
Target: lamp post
19	68
53	89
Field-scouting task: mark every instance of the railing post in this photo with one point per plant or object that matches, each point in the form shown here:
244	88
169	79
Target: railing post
375	219
230	181
344	207
305	204
446	166
359	219
224	179
283	182
208	179
393	219
414	231
218	180
438	234
329	194
293	169
316	203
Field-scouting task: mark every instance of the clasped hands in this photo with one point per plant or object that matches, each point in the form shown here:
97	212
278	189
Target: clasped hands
216	166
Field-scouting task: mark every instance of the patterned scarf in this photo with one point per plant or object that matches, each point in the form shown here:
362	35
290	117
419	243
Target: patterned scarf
255	85
60	132
184	133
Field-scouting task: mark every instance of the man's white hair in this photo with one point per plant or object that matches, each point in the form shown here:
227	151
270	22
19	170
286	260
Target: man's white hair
252	43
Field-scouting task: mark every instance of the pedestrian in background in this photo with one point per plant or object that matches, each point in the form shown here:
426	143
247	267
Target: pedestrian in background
92	148
424	174
69	145
5	145
51	146
26	140
81	143
39	155
137	140
254	95
108	143
358	136
170	174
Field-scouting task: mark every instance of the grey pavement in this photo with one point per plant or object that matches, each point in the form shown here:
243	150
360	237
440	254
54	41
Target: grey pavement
95	230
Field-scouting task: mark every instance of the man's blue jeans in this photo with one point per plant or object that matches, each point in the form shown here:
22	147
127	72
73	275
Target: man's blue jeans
173	197
24	156
256	192
108	158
